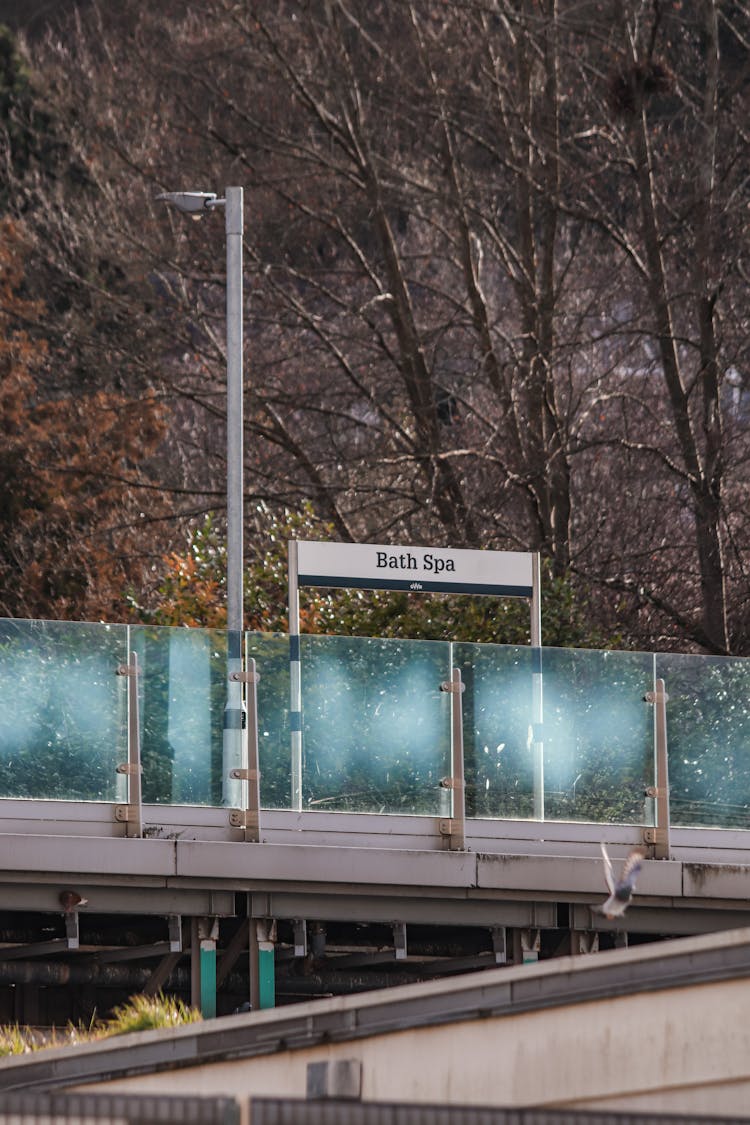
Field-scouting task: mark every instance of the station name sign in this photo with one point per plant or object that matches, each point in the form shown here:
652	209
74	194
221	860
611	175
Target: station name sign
373	566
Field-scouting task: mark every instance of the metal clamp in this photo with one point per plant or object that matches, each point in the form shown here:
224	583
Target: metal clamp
127	670
453	686
129	767
126	814
244	677
451	783
245	775
655	836
656	697
244	818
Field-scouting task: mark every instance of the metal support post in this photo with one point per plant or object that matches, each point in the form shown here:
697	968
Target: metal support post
262	963
234	713
248	818
399	940
72	932
300	937
583	941
659	836
196	203
295	679
526	946
537	701
174	922
131	814
204	933
455	828
499	944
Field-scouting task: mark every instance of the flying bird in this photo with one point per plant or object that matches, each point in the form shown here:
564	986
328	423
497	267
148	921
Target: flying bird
620	890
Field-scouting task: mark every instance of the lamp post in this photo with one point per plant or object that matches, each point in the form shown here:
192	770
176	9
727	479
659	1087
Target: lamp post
196	204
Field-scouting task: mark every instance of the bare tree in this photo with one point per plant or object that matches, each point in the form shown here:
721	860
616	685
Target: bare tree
496	291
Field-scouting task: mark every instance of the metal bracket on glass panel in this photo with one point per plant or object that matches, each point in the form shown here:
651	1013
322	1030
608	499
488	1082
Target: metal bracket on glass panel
454	828
131	814
657	837
248	819
244	677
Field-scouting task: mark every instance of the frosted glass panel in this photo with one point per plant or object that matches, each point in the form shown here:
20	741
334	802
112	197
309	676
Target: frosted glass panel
182	695
375	724
708	735
63	710
596	729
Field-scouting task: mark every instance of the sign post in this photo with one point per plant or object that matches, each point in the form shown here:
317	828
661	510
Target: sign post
372	566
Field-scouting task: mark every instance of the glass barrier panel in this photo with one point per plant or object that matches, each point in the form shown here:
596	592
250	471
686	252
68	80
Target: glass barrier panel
271	653
497	717
708	734
63	710
597	733
182	694
375	724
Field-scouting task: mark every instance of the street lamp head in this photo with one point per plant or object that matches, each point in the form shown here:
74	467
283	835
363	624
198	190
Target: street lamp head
193	203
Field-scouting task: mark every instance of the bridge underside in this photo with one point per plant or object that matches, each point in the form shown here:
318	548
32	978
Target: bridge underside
325	903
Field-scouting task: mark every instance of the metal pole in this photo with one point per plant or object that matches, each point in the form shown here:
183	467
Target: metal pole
456	781
537	701
233	712
295	679
659	835
234	230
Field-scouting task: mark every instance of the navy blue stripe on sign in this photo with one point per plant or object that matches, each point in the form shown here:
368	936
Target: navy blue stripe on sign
414	585
293	646
295	720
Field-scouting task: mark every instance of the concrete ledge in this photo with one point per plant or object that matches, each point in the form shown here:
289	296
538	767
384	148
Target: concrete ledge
247	863
84	855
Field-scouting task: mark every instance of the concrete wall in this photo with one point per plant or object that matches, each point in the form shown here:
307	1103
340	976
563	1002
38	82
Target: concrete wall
675	1050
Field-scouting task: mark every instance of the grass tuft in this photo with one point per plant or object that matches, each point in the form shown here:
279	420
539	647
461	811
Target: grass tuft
140	1013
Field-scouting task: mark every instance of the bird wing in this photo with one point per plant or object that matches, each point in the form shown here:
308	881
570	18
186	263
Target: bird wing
608	873
631	867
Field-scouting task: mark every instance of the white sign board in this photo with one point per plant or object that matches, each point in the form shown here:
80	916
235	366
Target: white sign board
372	566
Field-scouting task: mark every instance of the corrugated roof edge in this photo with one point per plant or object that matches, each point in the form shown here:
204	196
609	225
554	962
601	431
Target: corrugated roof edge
492	992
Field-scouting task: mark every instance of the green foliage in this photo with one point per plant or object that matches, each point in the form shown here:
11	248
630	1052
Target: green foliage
192	593
15	1040
144	1013
140	1013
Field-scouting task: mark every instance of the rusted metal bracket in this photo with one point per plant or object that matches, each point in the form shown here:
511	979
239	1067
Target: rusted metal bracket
128	669
657	837
248	819
126	814
454	827
131	814
244	677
